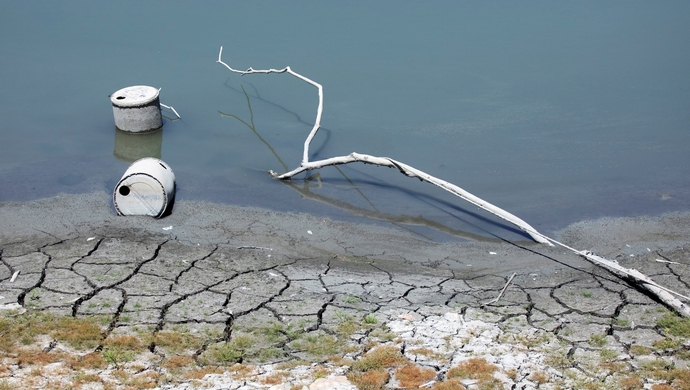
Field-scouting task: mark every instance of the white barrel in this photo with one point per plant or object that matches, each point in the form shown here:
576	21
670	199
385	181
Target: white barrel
146	188
137	109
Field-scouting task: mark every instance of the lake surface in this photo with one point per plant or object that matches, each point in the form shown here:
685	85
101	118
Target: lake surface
555	112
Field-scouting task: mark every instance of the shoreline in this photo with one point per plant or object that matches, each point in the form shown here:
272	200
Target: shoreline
198	222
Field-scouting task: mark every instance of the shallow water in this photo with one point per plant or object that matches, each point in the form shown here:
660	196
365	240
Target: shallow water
555	112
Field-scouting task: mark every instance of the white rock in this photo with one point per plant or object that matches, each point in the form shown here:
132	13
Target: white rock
338	382
453	317
400	326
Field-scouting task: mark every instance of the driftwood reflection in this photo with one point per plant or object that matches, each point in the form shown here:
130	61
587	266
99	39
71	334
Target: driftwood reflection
305	190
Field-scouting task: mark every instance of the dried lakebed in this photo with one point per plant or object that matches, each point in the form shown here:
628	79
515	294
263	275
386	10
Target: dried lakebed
237	298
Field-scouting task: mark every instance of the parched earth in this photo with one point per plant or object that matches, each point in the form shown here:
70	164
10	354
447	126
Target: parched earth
250	299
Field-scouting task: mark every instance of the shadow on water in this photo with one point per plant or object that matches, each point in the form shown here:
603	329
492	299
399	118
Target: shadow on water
400	220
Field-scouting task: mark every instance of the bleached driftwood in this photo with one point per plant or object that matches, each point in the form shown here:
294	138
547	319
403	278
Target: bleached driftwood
171	108
500	295
664	294
382	161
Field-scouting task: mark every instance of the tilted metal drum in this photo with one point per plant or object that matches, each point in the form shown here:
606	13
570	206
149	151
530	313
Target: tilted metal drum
146	188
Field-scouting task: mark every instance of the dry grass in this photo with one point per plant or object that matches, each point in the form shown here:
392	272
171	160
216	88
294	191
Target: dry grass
82	379
91	360
661	370
639	350
370	372
242	371
124	342
32	356
273	379
175	342
452	384
145	380
381	357
540	377
412	376
369	380
478	369
80	333
473	368
177	363
631	382
320	372
421	351
23	335
200	372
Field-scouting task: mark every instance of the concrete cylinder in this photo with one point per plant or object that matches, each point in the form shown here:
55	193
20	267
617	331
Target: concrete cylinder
146	188
137	109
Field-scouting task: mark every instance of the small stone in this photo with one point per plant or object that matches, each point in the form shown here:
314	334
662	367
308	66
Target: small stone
338	382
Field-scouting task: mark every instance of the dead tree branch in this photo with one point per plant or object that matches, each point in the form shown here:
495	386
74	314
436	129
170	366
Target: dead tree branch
664	294
382	161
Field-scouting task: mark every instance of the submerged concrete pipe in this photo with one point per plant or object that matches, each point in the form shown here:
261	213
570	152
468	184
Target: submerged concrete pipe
137	109
146	188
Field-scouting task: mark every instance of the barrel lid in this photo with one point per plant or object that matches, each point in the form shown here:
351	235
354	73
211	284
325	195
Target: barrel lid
138	95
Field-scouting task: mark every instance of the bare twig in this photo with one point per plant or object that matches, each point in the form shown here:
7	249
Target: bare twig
319	110
667	262
172	109
254	247
502	292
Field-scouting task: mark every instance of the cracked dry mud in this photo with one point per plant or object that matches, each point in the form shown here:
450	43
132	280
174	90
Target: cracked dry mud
262	275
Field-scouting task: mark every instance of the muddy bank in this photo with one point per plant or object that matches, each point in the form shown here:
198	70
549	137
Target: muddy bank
198	223
221	275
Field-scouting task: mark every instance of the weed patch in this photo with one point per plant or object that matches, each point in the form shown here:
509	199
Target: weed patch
478	369
317	344
115	356
29	357
177	342
369	380
124	342
597	340
382	357
91	360
452	384
80	333
177	363
540	377
639	350
631	382
225	354
200	372
413	376
675	325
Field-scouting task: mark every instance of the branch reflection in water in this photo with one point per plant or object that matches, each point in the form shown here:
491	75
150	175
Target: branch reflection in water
315	180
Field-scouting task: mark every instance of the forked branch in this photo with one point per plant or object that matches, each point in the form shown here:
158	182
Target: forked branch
667	296
382	161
